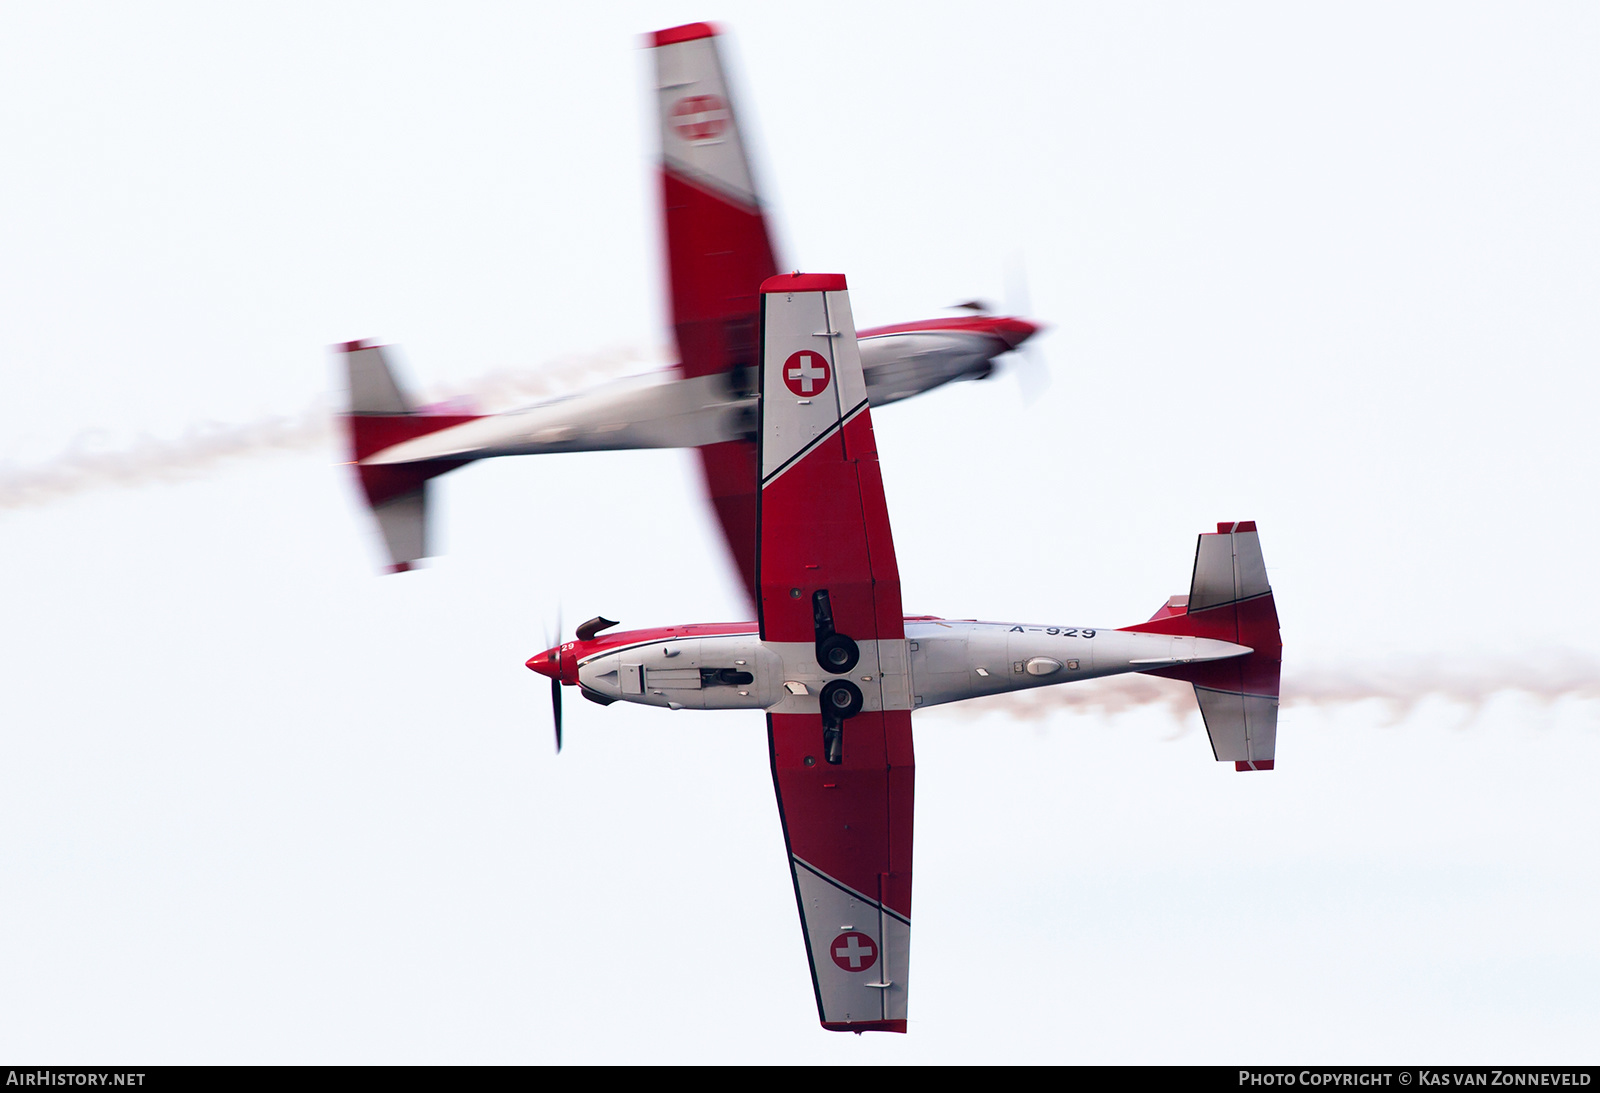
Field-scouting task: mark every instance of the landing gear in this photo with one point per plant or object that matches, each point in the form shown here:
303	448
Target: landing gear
841	700
836	652
833	743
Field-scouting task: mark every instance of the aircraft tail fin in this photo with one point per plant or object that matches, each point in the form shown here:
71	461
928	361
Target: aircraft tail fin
380	416
1230	599
373	387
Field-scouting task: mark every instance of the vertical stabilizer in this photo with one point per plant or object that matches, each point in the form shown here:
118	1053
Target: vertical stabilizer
380	416
373	388
1231	600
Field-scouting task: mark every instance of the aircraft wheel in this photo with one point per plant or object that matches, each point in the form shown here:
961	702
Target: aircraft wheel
841	699
837	654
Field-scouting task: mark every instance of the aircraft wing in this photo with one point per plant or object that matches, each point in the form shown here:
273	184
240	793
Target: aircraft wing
827	570
718	253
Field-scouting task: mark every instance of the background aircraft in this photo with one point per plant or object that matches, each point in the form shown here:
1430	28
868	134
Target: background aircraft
718	249
1327	269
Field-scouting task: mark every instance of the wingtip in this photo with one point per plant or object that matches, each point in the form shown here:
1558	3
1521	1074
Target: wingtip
689	32
805	282
865	1026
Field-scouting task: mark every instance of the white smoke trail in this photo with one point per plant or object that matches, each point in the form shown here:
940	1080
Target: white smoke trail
94	460
1397	687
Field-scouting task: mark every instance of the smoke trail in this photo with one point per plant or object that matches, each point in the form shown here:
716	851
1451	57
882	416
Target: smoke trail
1398	687
94	461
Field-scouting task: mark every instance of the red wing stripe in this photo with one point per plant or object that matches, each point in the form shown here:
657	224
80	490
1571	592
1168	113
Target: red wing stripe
811	447
707	186
845	888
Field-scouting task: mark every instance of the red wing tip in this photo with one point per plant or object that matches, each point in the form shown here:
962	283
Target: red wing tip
1229	526
359	343
401	567
687	33
864	1026
804	282
1257	764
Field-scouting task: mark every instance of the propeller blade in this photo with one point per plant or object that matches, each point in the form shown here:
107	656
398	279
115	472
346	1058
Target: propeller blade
555	682
1019	301
1033	374
555	709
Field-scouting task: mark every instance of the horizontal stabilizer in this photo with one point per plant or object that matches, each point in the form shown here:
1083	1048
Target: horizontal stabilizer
404	523
1230	600
1242	727
381	416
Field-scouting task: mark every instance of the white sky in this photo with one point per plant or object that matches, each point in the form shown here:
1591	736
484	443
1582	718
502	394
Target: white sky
1328	267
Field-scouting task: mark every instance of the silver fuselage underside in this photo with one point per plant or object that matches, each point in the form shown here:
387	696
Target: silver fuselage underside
660	410
938	661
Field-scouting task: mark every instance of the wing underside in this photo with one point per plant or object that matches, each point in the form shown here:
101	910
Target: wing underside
848	831
719	252
826	573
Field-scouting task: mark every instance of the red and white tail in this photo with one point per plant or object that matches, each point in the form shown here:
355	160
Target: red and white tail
1231	600
381	416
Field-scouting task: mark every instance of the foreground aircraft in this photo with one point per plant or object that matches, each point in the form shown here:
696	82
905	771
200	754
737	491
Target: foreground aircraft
718	252
838	667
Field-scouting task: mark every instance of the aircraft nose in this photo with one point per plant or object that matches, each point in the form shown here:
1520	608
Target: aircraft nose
547	663
1014	331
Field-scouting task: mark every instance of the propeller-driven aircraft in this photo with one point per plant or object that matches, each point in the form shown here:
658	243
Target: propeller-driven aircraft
838	667
718	251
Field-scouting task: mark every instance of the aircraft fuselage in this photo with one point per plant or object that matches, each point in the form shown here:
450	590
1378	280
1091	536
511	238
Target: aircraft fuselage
728	667
661	410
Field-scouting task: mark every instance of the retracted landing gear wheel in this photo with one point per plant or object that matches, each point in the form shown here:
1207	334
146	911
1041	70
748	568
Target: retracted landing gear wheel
837	653
840	701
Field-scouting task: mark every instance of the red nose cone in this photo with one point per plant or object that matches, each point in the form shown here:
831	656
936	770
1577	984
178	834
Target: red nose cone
547	663
1015	331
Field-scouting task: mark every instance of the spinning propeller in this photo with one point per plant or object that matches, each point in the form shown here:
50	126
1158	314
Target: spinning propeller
1029	366
553	663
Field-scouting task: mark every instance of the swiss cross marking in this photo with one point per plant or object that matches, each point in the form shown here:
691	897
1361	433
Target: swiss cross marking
853	951
806	373
700	117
